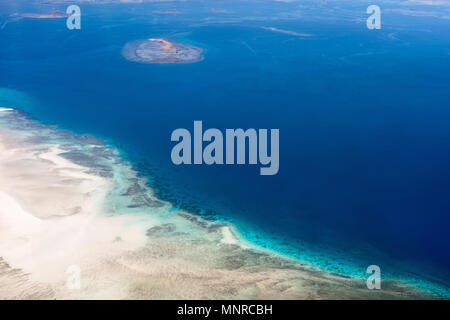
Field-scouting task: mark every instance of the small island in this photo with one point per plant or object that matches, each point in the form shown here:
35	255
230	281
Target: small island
158	50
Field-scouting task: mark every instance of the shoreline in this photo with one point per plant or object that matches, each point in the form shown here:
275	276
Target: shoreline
140	240
429	284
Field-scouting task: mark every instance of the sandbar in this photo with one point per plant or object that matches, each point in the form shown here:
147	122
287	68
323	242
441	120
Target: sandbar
289	32
45	15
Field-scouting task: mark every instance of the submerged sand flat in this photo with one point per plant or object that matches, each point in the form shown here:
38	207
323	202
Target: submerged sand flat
158	50
68	200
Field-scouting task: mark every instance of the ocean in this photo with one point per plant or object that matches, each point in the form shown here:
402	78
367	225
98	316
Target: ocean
363	117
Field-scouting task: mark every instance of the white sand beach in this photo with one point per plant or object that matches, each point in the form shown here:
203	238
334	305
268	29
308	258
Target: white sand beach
68	200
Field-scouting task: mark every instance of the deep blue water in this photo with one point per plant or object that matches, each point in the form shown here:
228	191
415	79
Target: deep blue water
363	116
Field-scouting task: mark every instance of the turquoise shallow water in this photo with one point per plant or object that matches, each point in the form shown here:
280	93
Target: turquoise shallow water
364	142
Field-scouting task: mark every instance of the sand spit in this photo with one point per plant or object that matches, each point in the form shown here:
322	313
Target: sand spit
68	200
